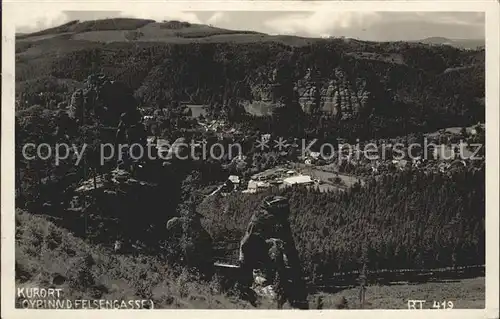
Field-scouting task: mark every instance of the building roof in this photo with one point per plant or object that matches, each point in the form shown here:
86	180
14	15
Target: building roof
257	184
299	179
88	185
235	179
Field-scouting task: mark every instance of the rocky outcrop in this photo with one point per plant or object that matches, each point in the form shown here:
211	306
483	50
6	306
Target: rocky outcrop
336	96
101	99
189	244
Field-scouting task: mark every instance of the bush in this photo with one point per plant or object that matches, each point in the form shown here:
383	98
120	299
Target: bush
133	35
174	25
110	24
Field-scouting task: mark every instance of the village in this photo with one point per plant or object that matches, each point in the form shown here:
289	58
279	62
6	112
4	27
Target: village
294	166
344	167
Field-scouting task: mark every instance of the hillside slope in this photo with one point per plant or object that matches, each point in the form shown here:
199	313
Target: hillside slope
49	256
471	44
130	30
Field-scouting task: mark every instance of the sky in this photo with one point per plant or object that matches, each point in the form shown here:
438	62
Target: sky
375	26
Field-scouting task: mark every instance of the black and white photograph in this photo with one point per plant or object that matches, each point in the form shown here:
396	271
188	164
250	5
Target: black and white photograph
297	159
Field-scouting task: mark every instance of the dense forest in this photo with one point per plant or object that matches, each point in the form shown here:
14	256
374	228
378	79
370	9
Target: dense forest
406	220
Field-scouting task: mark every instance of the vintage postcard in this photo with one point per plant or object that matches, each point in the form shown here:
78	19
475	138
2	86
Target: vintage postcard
299	157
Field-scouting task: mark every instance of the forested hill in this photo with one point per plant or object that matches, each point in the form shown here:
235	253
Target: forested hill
406	220
382	87
458	43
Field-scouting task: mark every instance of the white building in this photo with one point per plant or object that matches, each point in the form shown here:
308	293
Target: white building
234	179
298	180
255	186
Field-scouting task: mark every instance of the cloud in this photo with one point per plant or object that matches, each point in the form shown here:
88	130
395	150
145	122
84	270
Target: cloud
456	18
378	25
321	23
156	11
218	18
37	16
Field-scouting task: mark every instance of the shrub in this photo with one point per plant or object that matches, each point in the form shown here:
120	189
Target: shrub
174	24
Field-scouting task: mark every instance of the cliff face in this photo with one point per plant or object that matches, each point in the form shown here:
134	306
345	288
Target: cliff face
336	96
101	99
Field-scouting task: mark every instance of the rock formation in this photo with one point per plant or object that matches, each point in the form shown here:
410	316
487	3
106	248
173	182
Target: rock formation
336	96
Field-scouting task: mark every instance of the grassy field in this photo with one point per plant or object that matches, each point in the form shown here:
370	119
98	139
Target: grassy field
465	294
127	30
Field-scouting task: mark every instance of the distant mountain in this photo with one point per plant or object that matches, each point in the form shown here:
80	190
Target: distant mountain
457	43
